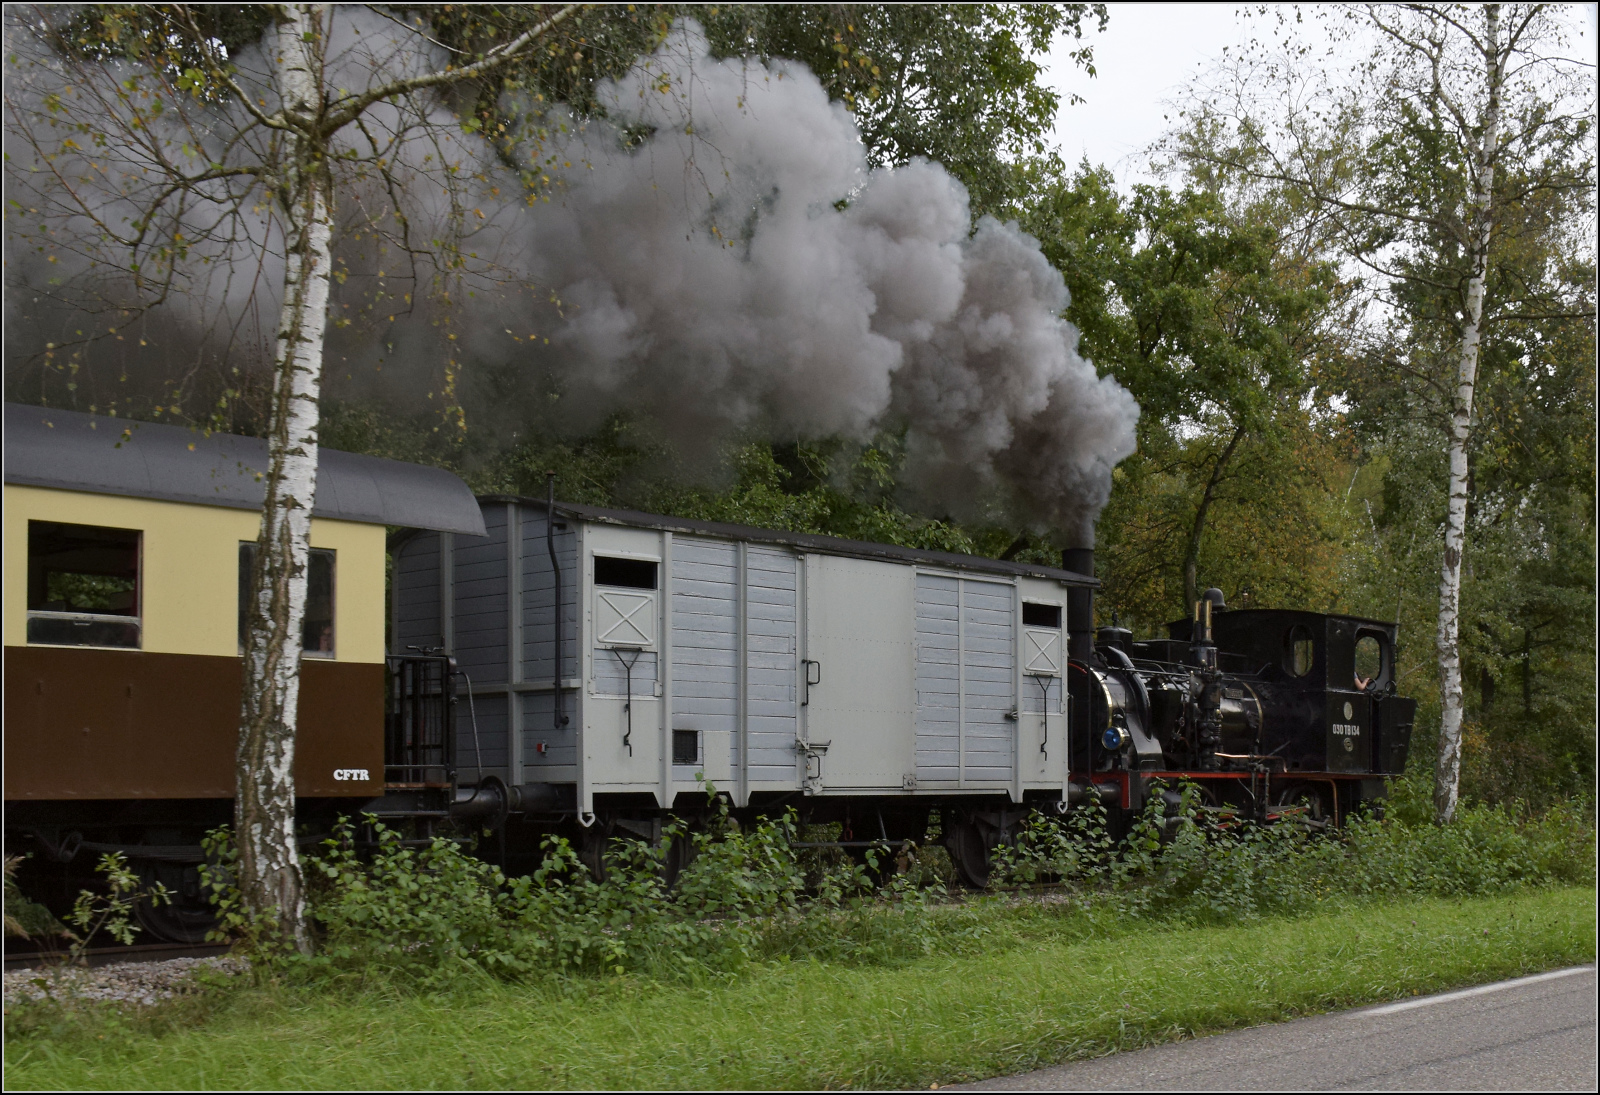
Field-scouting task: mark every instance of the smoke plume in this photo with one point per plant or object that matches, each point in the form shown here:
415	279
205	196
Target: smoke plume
714	258
742	269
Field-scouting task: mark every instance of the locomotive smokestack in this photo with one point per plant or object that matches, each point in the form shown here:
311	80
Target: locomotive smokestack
1080	602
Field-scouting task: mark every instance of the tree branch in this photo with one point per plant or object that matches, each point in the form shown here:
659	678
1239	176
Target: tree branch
345	109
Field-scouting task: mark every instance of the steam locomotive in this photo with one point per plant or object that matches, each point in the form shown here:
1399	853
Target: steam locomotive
1263	709
550	667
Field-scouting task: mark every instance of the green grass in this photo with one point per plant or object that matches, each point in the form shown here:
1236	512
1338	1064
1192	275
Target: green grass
1065	985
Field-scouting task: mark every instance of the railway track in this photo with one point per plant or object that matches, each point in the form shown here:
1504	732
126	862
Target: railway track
103	956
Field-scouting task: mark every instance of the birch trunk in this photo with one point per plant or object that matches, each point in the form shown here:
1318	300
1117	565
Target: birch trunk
1447	772
269	875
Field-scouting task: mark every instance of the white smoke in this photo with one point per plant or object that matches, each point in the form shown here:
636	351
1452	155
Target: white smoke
742	268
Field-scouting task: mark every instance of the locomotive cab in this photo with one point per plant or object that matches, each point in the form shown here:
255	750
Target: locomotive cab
1336	677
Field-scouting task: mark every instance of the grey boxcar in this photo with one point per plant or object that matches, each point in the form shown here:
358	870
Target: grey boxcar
782	667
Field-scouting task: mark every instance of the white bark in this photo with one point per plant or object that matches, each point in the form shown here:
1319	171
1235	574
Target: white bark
309	115
1447	772
269	866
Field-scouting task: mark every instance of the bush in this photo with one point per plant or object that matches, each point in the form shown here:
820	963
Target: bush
1204	866
433	915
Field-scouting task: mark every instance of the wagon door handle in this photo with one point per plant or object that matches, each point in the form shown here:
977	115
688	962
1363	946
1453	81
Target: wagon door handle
808	664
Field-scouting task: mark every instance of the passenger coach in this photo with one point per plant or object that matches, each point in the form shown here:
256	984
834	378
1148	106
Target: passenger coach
127	548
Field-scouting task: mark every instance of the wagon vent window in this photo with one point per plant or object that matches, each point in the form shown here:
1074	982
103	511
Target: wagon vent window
686	747
1041	615
316	631
628	573
83	585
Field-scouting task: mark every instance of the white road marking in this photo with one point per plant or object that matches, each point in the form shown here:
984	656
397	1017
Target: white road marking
1446	997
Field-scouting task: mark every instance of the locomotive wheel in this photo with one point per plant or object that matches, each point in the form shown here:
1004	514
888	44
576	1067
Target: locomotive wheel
187	917
969	851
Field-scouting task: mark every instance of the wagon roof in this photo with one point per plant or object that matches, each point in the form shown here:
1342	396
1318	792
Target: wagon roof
68	450
805	541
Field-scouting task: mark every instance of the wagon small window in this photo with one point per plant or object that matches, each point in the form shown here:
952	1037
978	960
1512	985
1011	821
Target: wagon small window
686	747
1036	615
316	630
627	573
1300	650
83	585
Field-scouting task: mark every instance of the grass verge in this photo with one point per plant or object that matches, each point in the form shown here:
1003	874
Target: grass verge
1066	985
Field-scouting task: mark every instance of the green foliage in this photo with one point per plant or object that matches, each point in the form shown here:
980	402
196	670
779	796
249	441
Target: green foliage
431	915
434	916
27	919
1199	865
829	487
1048	849
255	934
111	912
1207	312
956	84
960	84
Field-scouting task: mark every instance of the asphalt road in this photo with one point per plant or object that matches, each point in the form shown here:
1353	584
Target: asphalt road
1531	1034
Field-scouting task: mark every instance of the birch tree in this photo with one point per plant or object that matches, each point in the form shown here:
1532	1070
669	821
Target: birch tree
1406	163
197	158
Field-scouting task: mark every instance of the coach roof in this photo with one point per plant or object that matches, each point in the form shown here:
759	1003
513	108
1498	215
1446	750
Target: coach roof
68	450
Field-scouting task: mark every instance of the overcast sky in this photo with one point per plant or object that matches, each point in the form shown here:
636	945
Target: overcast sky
1144	56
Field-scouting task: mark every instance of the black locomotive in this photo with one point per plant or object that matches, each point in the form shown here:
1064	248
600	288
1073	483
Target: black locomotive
1263	709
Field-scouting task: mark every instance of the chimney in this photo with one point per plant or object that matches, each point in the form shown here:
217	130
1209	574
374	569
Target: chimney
1080	603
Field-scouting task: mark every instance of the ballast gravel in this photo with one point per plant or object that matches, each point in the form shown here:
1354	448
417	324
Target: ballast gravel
119	982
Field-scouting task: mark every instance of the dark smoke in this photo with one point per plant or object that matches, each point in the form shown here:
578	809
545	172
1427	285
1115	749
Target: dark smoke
712	281
738	271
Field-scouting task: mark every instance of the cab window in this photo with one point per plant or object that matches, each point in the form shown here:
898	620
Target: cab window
83	585
1299	651
316	631
1372	661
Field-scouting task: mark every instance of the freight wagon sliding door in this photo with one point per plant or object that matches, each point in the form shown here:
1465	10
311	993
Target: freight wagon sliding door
965	681
735	664
859	651
772	667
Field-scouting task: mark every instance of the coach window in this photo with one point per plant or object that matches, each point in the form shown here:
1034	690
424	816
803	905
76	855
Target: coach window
316	630
83	585
1299	650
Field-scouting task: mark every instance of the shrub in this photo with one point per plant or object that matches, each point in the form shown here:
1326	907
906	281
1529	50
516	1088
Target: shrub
1203	866
431	915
